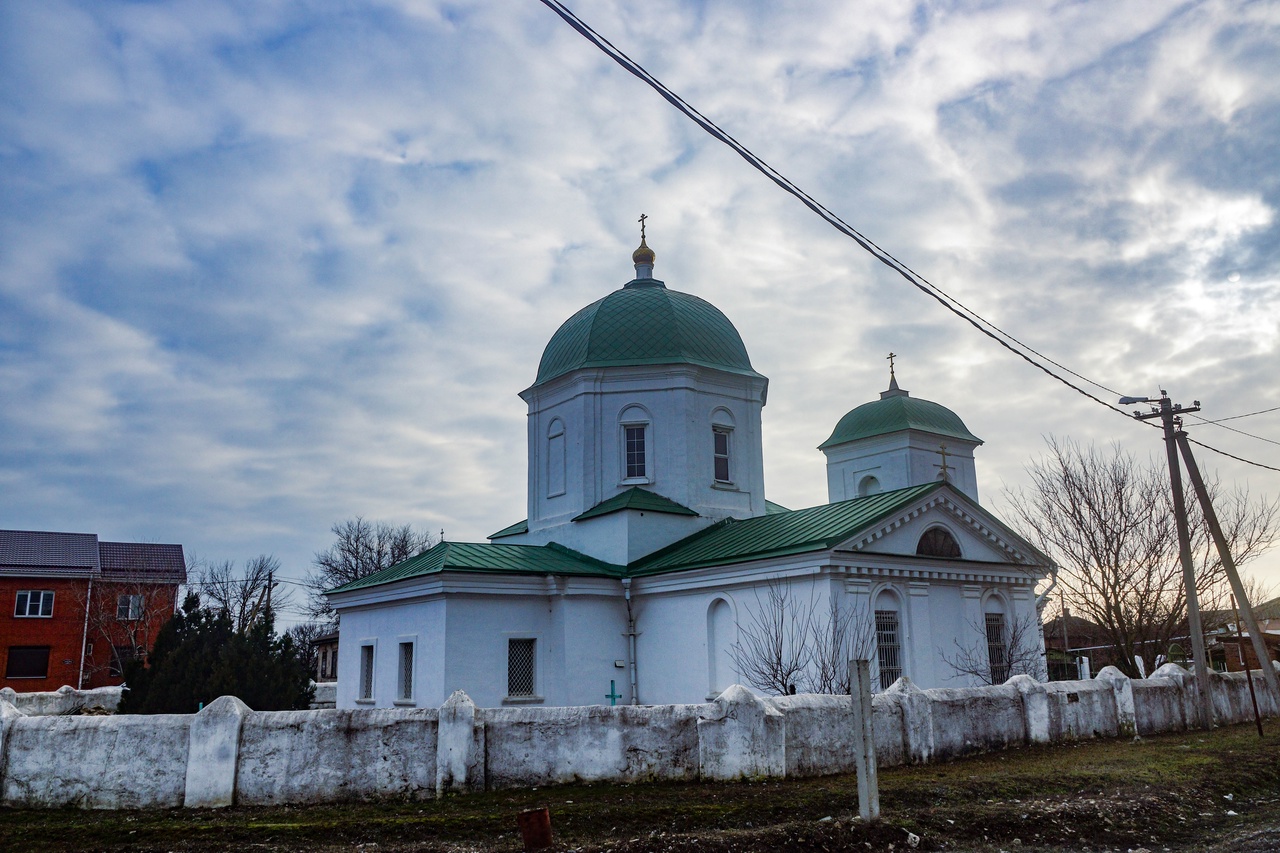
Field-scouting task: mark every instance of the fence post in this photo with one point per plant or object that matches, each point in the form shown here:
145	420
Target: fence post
1035	707
213	750
459	747
1122	689
864	740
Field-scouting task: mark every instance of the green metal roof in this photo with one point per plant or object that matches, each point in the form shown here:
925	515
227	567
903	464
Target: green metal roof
636	498
511	530
895	411
550	559
778	534
771	508
645	323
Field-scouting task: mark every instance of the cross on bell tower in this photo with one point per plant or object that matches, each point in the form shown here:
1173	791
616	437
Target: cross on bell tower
945	468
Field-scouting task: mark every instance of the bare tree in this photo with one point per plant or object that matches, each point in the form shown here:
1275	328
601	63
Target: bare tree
773	646
847	633
304	636
1108	523
245	595
789	644
362	548
994	660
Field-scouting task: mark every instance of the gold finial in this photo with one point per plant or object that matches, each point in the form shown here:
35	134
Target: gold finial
942	451
643	256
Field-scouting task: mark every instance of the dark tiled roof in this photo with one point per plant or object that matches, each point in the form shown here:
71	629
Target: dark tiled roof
38	551
636	498
143	561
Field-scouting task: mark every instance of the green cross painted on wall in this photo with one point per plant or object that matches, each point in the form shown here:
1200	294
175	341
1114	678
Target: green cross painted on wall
613	695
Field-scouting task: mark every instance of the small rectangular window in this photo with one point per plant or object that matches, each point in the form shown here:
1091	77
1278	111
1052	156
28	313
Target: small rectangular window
721	437
997	653
129	607
27	662
635	441
34	603
521	657
366	673
888	648
404	684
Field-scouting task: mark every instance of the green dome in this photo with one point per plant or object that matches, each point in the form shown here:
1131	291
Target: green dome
644	323
895	411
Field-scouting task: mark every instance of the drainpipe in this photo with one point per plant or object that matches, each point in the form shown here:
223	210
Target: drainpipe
84	636
631	641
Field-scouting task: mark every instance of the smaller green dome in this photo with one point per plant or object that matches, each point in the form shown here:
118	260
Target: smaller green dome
645	323
896	410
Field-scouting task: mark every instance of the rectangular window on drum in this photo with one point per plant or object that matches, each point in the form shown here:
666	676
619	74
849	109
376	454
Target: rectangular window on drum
721	437
635	449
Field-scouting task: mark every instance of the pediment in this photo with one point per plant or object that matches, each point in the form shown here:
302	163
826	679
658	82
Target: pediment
982	537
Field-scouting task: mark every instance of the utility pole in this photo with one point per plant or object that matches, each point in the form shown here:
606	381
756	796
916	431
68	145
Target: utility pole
1224	554
1171	418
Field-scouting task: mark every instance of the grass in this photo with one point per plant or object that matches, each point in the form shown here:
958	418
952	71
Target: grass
1173	792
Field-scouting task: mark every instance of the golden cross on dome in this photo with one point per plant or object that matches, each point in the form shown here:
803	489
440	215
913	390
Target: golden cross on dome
891	357
942	451
641	221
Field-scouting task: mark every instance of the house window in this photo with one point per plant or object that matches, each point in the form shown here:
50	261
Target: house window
888	647
720	435
997	650
129	607
634	438
404	681
366	673
34	602
938	542
521	658
27	662
121	657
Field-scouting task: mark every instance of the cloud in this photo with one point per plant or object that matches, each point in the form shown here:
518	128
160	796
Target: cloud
265	268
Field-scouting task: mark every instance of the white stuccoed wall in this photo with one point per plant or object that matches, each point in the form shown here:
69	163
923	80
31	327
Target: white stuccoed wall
64	700
228	754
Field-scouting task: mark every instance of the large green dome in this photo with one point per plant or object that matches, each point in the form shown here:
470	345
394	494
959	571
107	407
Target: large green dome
896	410
645	323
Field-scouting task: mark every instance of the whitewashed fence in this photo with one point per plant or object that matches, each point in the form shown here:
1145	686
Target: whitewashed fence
229	754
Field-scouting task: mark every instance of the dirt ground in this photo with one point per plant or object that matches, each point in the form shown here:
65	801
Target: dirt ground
1217	792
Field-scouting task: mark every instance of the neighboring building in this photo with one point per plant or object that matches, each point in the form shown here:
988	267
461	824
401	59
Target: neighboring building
326	646
74	611
650	553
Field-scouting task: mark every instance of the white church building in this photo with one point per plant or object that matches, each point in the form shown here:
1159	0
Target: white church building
651	566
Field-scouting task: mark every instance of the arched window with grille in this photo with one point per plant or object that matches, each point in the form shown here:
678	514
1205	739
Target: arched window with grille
938	542
888	638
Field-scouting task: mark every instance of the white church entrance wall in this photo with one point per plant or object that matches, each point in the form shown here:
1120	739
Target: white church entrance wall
334	755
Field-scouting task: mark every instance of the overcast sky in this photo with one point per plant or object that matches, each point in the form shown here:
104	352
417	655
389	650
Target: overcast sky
268	266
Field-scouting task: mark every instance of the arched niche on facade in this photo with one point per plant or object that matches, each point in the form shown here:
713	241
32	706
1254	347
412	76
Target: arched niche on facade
938	541
869	485
721	635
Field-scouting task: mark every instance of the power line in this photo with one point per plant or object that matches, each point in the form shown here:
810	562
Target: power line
918	281
1247	415
1237	431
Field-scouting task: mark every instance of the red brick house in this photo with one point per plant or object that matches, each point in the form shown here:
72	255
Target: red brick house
74	610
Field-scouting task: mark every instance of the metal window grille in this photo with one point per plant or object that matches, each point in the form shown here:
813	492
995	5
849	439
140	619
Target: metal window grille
366	672
721	455
33	602
406	670
635	452
997	651
520	663
888	647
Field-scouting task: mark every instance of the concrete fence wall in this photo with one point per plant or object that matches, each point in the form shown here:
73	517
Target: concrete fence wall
229	754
